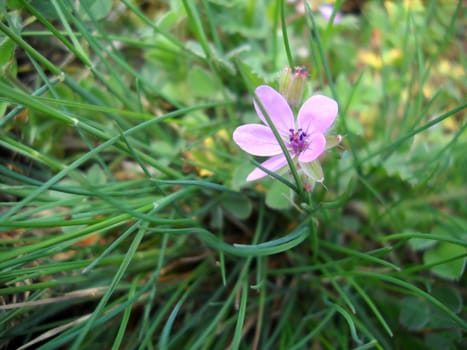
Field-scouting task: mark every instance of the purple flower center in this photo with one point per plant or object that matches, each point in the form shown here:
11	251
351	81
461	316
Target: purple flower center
298	140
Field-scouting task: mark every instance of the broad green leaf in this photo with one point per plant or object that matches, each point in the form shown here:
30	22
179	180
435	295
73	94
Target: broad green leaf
202	83
253	77
99	9
217	219
239	206
14	4
96	176
168	21
355	126
279	196
240	174
414	313
195	48
240	21
46	9
451	270
452	299
3	107
164	149
7	48
436	341
397	164
449	296
419	244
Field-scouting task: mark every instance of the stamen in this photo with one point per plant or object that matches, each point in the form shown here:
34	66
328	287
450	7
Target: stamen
298	140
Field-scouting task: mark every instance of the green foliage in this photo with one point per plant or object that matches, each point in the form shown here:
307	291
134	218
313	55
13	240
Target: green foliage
125	218
279	196
414	314
441	255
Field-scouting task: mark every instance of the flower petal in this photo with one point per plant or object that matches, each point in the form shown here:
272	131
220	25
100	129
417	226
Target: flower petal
256	139
316	146
273	164
317	114
276	107
326	12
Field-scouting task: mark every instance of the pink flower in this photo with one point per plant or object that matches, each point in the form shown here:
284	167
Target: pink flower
304	138
326	12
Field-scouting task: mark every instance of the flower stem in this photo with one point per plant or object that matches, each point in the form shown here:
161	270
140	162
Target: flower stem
284	34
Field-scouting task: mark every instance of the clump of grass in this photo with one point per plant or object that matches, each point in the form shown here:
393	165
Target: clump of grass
125	218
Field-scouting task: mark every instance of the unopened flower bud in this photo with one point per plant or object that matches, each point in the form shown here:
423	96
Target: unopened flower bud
292	84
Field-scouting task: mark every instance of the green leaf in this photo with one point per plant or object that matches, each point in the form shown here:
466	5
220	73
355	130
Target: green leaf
254	77
437	341
96	176
164	149
99	9
3	107
279	196
355	126
195	48
414	313
46	9
172	18
217	218
238	21
202	83
419	244
449	296
240	174
7	48
451	270
397	164
13	4
238	206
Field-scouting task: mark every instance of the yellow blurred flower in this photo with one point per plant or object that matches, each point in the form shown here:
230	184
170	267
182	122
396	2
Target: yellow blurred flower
451	69
407	5
203	158
376	61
